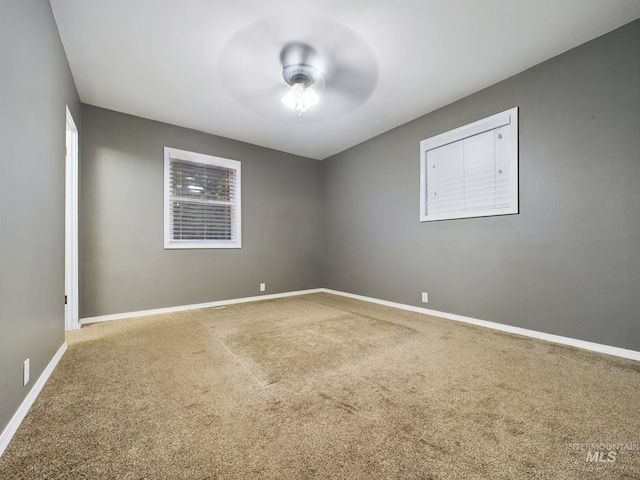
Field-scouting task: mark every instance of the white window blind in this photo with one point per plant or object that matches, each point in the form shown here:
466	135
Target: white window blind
202	201
471	171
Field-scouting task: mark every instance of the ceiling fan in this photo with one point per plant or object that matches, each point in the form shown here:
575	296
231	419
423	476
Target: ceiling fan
300	71
282	67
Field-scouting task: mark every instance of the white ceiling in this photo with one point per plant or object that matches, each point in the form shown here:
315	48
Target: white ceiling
161	59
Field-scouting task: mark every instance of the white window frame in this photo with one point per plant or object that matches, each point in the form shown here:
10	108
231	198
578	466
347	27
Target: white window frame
174	153
507	121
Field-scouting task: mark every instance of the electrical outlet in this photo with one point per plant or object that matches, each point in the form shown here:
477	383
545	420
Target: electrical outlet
425	297
25	372
263	287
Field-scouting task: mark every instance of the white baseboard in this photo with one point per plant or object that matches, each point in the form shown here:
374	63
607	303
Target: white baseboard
594	347
18	417
197	306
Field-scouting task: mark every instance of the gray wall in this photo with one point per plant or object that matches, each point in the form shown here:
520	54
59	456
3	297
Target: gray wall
35	85
568	264
124	266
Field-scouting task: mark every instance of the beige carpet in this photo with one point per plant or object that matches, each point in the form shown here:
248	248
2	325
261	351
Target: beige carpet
320	386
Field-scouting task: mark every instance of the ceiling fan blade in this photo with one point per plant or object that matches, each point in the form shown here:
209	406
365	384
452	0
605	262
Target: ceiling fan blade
251	70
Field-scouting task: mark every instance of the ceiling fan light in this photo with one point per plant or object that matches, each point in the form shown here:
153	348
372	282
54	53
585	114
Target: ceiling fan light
300	98
310	97
293	96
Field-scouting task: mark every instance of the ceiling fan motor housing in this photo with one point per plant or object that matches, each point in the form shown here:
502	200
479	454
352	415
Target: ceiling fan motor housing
298	64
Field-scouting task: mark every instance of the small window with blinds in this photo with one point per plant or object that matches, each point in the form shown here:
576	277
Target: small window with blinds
471	171
202	201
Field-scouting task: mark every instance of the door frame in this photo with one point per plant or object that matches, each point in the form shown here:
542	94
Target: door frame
71	317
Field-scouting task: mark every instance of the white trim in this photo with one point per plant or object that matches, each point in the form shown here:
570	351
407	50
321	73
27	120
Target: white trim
484	125
197	306
18	417
177	154
591	346
594	347
507	119
71	224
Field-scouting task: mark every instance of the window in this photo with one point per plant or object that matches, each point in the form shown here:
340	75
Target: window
201	201
471	171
